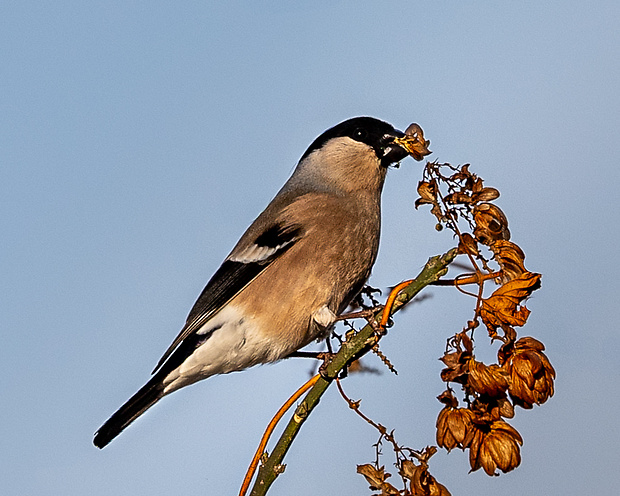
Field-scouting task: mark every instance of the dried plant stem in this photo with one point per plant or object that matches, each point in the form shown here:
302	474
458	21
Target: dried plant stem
270	428
384	434
476	278
355	406
352	349
389	304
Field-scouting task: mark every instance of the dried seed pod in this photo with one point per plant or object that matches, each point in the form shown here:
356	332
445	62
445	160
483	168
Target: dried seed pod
491	224
453	425
494	445
485	195
490	380
531	374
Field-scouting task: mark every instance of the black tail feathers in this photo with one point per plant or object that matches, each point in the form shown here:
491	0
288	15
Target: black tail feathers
131	410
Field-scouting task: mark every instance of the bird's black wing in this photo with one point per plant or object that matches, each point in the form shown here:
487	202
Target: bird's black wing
233	276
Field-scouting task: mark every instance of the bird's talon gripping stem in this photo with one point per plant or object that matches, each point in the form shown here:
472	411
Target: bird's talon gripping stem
327	359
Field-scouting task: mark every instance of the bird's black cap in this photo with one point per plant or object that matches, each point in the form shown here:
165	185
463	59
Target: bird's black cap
373	132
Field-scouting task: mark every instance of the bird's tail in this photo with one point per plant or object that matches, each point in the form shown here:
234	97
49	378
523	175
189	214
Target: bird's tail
130	411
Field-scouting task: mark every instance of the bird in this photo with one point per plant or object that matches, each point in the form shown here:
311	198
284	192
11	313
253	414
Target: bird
292	273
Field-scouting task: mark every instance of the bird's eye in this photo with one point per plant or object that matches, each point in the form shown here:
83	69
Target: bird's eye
360	134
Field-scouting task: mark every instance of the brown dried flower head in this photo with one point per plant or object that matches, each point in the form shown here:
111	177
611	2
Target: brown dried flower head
494	445
524	376
489	380
414	142
453	425
531	374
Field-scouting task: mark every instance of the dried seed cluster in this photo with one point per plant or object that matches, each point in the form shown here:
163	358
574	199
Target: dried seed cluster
523	375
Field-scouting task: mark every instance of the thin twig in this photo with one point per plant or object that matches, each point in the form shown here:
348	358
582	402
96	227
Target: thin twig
389	436
467	279
272	425
389	304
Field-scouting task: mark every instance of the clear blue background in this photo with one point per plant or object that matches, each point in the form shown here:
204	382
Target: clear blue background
139	139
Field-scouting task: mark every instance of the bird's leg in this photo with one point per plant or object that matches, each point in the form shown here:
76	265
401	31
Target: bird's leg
360	314
325	356
327	359
368	314
305	354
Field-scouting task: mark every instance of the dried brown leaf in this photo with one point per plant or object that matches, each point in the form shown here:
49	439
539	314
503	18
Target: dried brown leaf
376	479
456	367
463	174
448	398
422	482
428	193
467	244
485	195
503	307
505	408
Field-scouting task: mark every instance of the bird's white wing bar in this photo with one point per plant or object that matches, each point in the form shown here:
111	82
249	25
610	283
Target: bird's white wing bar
257	253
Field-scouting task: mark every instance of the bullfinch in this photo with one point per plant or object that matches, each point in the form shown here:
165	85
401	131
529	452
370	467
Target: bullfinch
293	272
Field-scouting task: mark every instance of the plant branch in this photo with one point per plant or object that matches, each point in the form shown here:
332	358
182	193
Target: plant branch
353	348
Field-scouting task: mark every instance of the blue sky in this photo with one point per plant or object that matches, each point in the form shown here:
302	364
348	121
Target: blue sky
139	139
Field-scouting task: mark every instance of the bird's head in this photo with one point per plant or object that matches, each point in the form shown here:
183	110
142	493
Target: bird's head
357	152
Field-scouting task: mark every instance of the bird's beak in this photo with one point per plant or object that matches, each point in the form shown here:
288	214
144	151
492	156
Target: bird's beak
398	145
392	150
